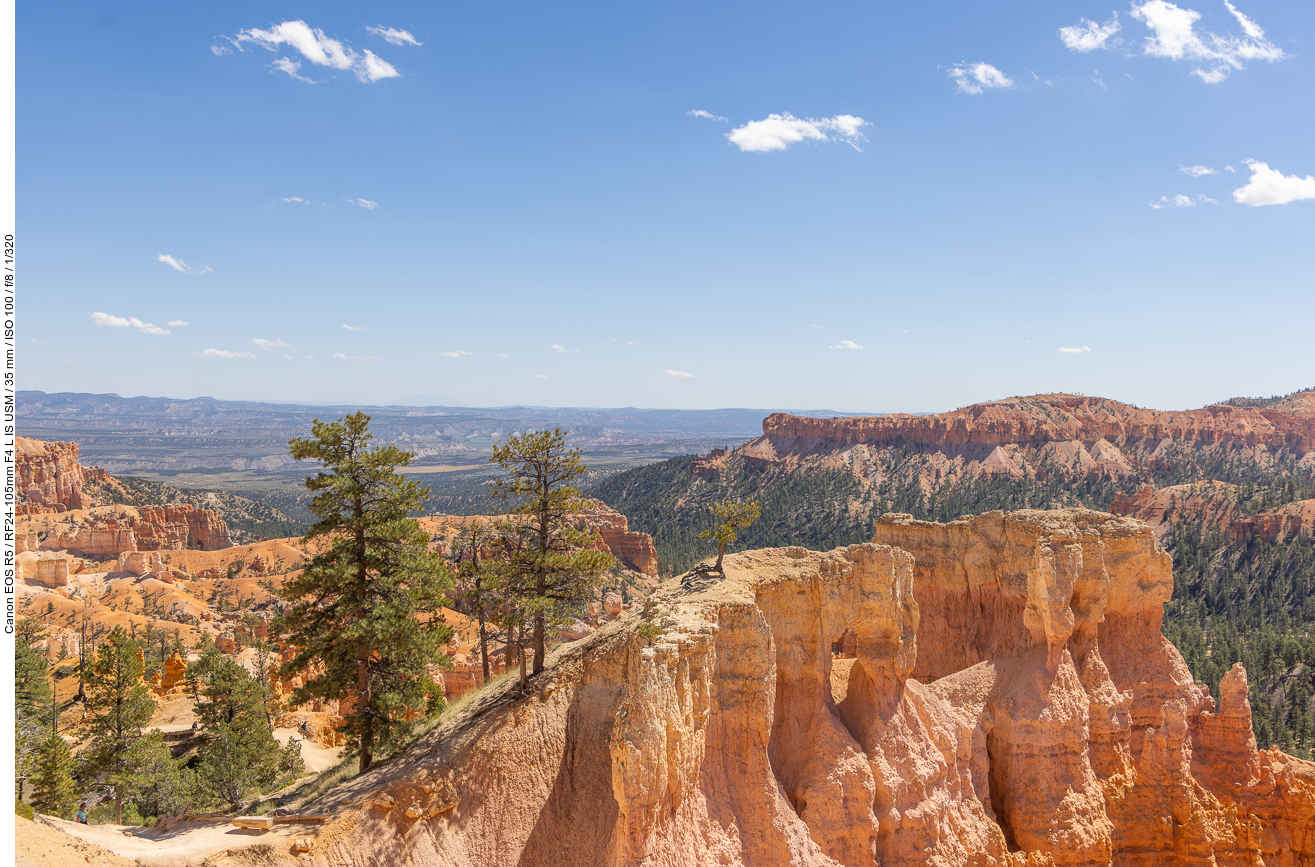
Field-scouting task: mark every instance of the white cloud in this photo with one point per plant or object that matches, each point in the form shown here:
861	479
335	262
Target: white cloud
632	343
557	347
288	357
1271	187
778	131
976	78
108	320
540	376
393	35
1181	201
456	353
1088	35
364	203
1229	169
502	355
1075	349
679	374
224	353
356	357
314	45
177	323
295	200
375	68
817	327
270	344
353	327
291	67
181	266
1196	171
847	344
1174	37
698	112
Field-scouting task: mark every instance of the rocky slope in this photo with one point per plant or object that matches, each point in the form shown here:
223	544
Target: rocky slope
1009	700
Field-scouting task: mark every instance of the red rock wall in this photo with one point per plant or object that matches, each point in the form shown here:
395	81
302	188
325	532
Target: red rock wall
49	474
1049	418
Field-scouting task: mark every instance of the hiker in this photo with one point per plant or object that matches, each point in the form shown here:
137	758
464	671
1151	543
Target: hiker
81	815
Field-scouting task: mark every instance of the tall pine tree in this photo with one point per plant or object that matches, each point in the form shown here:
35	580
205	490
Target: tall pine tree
239	754
366	608
31	696
120	705
54	792
552	562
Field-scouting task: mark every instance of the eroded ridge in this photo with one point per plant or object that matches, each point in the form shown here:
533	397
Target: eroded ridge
990	691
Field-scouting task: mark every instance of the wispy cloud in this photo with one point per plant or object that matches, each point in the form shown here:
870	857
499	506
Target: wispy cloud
976	78
393	35
847	344
297	200
364	203
1181	201
177	323
456	353
698	112
313	45
557	347
1174	37
817	327
1229	169
345	357
270	344
777	132
180	266
224	353
108	320
354	327
1196	171
1271	187
540	376
1088	35
1074	350
678	374
291	67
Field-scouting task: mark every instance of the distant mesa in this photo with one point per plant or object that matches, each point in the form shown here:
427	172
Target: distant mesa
425	400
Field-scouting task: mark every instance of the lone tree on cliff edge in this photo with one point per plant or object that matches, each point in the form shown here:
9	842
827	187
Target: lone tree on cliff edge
731	515
366	608
551	562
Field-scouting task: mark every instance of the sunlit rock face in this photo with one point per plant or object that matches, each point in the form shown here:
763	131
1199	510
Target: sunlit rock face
992	691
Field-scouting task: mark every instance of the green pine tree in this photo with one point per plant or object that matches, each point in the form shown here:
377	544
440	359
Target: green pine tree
54	791
32	697
731	516
552	563
120	705
238	755
366	608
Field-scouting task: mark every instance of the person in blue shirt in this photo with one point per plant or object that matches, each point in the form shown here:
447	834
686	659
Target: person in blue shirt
81	815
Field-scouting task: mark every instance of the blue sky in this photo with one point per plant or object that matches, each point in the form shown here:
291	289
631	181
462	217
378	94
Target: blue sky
881	207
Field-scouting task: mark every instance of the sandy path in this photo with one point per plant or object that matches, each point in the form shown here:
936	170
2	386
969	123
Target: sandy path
185	845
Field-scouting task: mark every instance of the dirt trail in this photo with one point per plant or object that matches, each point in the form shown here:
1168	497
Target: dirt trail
58	843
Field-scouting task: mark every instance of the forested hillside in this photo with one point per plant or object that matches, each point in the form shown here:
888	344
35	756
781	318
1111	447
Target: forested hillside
1242	593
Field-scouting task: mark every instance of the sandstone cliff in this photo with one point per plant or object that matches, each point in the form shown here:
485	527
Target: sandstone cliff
49	476
110	531
1009	700
1028	437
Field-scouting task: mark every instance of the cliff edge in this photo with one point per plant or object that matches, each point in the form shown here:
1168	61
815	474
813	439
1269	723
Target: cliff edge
991	691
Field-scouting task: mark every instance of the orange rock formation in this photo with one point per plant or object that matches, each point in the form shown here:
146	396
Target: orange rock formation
105	534
1010	701
49	475
1026	436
